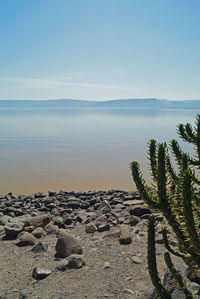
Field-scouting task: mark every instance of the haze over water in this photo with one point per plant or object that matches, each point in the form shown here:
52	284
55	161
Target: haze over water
84	149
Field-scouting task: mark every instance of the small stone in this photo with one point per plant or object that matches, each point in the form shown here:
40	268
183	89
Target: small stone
125	237
136	260
106	265
40	273
100	220
104	207
38	232
128	292
133	220
25	239
51	229
90	228
24	294
103	227
40	247
76	261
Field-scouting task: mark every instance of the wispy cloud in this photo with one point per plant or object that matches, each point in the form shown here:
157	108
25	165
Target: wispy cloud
55	82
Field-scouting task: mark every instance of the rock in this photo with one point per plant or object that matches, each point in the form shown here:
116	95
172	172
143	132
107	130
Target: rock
40	247
62	265
40	220
29	229
178	294
76	261
74	203
103	227
12	229
39	195
132	202
5	219
106	265
90	228
125	237
133	220
67	219
25	239
192	273
58	221
67	244
40	273
51	229
136	260
100	220
24	294
38	232
139	210
104	207
128	292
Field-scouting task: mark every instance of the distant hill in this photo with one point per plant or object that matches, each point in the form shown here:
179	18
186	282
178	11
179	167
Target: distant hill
149	103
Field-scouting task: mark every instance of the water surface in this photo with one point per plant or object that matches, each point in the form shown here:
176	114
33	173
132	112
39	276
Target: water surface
52	148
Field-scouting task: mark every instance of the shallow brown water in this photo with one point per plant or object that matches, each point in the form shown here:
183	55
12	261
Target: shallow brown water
78	149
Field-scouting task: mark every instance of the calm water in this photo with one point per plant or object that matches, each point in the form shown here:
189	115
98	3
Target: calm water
78	149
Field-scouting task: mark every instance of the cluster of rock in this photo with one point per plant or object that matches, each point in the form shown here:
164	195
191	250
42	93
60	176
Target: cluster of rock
27	219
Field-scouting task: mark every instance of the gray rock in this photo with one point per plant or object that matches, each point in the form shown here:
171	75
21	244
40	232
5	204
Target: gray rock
136	260
139	211
13	229
192	273
106	265
38	232
103	227
24	294
40	247
5	219
67	244
40	273
51	229
25	239
133	220
104	207
125	237
39	195
178	294
100	220
76	261
90	228
39	220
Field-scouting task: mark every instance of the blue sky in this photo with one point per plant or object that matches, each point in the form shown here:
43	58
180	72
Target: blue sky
99	49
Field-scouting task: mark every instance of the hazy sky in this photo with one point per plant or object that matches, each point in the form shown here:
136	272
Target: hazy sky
99	49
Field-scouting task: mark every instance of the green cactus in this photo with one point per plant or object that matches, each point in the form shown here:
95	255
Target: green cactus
152	265
175	191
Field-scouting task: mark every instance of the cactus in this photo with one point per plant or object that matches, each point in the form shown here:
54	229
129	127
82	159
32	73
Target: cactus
152	265
175	191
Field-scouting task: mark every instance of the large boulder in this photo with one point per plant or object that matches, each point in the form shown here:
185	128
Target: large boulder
67	244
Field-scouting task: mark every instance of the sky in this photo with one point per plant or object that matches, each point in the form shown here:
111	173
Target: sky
99	49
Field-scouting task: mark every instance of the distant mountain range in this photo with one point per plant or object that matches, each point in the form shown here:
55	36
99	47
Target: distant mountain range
149	103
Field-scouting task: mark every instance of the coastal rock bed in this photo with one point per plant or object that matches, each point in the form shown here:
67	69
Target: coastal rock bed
76	245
